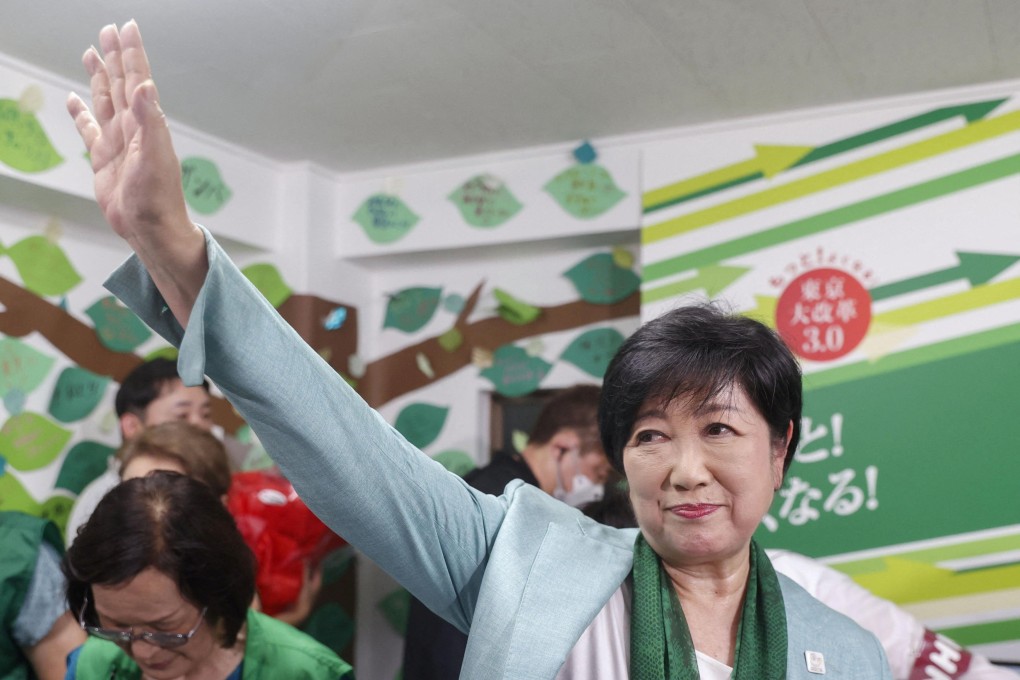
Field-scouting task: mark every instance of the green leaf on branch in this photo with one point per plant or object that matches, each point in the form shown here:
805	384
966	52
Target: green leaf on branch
43	266
24	144
484	201
204	188
30	441
600	280
270	283
513	310
117	326
76	394
421	423
22	368
585	190
592	350
385	218
410	309
84	462
514	373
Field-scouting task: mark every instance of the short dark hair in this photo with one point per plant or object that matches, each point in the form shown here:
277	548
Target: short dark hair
179	527
202	455
695	352
145	384
574	408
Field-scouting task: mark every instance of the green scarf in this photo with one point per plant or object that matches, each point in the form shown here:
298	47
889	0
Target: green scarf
660	642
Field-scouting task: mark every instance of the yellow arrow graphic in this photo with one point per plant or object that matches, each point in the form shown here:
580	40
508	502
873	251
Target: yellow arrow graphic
955	139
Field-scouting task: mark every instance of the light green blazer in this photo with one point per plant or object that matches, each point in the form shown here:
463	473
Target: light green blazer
523	573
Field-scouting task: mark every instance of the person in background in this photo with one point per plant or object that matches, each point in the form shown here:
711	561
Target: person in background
38	631
161	580
180	447
914	652
150	394
563	450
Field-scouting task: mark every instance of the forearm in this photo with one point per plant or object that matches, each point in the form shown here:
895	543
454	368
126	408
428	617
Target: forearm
177	264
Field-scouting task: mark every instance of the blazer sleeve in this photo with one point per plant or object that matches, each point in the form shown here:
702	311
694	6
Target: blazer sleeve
418	522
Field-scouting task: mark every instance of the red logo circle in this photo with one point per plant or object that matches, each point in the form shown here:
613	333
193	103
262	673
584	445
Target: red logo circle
823	314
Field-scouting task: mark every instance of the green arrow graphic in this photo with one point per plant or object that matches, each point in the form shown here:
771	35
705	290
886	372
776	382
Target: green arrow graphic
713	279
976	132
837	217
768	160
775	159
977	268
971	112
979	296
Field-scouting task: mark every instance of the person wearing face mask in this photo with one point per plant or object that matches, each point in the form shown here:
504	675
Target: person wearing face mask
564	458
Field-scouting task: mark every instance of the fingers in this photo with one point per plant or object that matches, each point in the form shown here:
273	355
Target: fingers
134	59
99	83
86	124
109	41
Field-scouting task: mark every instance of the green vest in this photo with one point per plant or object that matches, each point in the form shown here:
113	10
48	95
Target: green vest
273	649
21	536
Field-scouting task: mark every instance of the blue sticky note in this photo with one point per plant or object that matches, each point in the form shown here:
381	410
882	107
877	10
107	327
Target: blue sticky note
335	319
585	153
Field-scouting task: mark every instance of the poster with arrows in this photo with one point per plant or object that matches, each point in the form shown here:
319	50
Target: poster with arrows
884	246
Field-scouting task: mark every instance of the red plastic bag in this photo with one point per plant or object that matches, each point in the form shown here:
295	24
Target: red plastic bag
281	531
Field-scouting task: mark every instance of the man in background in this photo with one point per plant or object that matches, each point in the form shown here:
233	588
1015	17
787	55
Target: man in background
564	458
150	395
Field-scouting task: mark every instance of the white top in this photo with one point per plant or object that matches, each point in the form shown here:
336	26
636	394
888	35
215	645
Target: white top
89	498
603	650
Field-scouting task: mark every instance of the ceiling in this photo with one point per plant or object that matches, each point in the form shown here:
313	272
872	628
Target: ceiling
360	84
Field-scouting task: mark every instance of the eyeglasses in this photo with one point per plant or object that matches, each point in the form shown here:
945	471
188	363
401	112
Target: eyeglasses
126	637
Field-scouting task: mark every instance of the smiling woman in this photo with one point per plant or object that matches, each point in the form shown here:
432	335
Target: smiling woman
161	580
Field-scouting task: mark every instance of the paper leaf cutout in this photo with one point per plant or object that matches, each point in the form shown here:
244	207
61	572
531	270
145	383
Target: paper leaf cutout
42	265
484	201
585	153
623	257
451	340
385	218
599	280
76	394
335	319
204	189
425	365
57	509
30	441
168	352
592	350
457	462
421	423
22	367
519	439
513	373
24	145
412	308
270	283
453	303
117	326
585	190
84	462
331	626
513	310
395	607
14	496
14	401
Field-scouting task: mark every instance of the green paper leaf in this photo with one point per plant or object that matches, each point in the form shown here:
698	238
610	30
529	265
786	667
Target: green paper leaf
484	201
43	267
84	462
421	423
117	327
585	191
513	373
457	462
204	189
592	350
22	368
385	218
513	310
412	308
57	509
168	352
451	340
331	626
453	303
14	401
519	439
270	283
24	144
14	497
599	280
76	394
395	608
30	441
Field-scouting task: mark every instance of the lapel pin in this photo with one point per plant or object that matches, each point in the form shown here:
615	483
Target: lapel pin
815	662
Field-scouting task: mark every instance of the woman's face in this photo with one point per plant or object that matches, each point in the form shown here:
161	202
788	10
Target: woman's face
151	602
702	476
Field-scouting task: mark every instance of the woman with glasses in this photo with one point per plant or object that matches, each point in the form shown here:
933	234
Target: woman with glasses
161	580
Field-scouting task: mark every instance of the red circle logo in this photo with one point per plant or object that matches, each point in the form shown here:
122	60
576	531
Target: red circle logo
823	314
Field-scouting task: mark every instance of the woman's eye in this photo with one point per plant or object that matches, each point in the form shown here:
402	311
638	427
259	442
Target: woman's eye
647	437
716	429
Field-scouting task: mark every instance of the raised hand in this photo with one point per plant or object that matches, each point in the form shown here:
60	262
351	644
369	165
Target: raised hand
137	174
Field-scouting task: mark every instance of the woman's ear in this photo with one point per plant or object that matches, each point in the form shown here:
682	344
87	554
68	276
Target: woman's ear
779	457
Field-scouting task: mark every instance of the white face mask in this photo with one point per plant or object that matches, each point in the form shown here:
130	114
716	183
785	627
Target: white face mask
582	491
